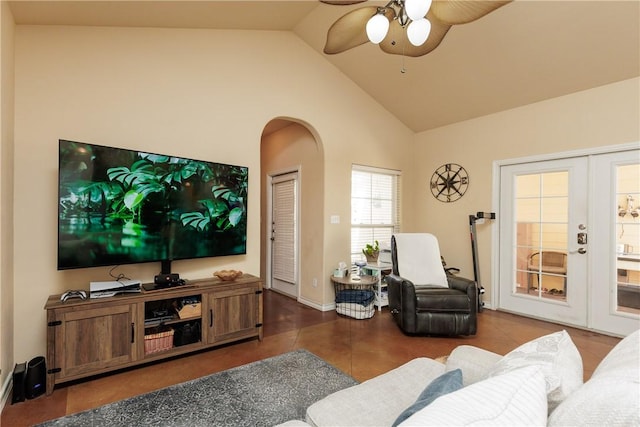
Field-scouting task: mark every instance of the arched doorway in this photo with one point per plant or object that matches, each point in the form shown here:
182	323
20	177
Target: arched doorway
290	149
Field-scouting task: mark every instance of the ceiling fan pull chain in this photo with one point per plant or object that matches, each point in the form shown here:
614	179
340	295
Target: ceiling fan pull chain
403	70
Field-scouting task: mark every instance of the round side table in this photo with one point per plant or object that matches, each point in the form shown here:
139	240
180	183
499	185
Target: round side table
355	296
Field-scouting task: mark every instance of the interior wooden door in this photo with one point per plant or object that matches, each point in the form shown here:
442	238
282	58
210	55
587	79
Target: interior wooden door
284	234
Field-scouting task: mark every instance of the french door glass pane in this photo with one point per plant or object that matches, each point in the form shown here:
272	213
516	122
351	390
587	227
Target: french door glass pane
628	238
542	211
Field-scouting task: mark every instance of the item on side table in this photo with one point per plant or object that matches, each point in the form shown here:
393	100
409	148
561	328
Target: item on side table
371	252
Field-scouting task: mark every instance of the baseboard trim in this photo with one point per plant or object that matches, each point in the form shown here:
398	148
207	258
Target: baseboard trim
6	390
312	304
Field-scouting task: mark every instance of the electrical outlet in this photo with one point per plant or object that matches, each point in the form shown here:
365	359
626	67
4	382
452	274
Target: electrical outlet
314	283
335	219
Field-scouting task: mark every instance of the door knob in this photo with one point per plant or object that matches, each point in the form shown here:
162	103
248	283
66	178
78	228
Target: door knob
582	251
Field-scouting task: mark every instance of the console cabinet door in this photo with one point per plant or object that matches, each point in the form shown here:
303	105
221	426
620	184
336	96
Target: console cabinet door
94	339
233	314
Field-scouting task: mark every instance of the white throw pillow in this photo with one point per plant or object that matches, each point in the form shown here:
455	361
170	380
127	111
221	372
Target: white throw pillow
612	396
517	398
560	361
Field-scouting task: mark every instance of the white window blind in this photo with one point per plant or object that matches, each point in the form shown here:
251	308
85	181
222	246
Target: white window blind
284	230
375	207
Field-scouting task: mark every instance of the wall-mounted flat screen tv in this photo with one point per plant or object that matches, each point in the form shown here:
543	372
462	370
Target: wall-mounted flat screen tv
119	206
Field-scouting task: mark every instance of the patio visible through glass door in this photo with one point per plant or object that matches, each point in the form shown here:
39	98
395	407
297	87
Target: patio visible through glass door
542	206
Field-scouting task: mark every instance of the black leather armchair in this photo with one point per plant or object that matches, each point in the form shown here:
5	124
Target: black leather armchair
428	302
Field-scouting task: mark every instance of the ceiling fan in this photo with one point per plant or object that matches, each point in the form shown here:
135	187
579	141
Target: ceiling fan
403	27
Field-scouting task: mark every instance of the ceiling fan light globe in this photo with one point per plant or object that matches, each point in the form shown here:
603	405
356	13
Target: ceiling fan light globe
416	9
377	28
418	31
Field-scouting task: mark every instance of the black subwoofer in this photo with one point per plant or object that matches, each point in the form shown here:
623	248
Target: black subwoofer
19	374
36	378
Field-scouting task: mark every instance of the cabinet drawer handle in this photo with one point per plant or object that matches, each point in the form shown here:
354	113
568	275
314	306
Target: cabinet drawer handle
211	318
133	332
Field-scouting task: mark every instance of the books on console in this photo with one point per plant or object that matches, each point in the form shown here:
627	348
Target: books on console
114	287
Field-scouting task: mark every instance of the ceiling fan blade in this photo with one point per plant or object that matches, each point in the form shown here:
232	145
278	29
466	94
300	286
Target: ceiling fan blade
342	3
397	42
349	31
456	12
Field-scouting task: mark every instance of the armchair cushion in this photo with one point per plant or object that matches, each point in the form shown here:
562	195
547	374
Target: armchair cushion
420	261
433	298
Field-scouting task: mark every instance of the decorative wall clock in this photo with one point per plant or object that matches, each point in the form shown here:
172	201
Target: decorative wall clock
449	182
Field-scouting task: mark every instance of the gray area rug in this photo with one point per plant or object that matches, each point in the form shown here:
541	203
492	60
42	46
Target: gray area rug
263	393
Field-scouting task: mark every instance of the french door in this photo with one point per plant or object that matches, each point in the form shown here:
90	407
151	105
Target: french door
543	267
615	243
565	252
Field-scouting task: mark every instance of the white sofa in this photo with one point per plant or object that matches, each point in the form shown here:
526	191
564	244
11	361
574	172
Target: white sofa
539	383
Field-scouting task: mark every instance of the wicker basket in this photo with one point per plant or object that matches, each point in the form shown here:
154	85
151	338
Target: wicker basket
160	341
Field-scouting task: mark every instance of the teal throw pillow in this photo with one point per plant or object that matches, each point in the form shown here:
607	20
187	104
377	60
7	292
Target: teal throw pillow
446	383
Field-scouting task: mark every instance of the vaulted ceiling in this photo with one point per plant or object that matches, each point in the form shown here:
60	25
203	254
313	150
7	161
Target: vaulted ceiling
525	52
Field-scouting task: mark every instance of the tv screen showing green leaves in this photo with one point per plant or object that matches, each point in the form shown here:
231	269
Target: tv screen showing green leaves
119	206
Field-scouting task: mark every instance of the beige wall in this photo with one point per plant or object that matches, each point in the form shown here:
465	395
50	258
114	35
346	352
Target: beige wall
606	115
191	93
7	29
295	148
183	92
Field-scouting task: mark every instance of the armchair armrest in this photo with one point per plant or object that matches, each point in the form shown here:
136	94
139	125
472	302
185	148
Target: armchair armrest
403	290
402	300
465	285
462	284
